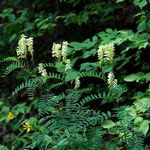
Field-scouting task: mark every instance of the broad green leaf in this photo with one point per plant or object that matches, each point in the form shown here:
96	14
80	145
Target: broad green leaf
138	120
144	126
89	53
86	66
147	76
5	109
76	46
131	78
131	111
142	104
134	77
60	67
108	124
140	3
2	147
142	26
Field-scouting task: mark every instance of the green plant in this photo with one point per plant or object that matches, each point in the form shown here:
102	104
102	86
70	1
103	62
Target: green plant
89	93
59	94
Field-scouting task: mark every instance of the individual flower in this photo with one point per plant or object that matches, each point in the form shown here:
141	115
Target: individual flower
10	116
22	47
42	70
112	82
77	83
30	45
27	127
56	50
68	64
64	50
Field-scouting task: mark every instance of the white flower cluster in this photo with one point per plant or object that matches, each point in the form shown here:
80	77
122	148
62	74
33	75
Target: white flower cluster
64	50
25	45
112	82
67	64
22	47
30	45
56	50
77	83
42	70
106	52
60	52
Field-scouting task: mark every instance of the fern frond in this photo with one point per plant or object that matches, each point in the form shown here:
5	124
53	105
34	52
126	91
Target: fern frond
136	144
31	85
88	66
84	90
9	59
22	86
146	67
13	67
71	101
54	86
58	98
94	137
55	76
93	120
44	105
47	65
91	74
30	91
93	97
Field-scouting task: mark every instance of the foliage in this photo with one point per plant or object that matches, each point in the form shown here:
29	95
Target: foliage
91	92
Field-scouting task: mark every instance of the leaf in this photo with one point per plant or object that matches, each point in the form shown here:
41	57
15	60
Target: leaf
13	37
85	66
3	147
134	77
89	53
138	120
142	26
108	124
76	46
144	126
118	1
140	3
131	111
5	109
131	78
147	76
142	104
60	67
71	75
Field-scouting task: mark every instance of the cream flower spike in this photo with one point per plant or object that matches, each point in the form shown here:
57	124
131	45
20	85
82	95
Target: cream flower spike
109	52
56	50
106	52
101	52
42	70
25	45
64	50
30	45
22	47
77	83
68	64
112	82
